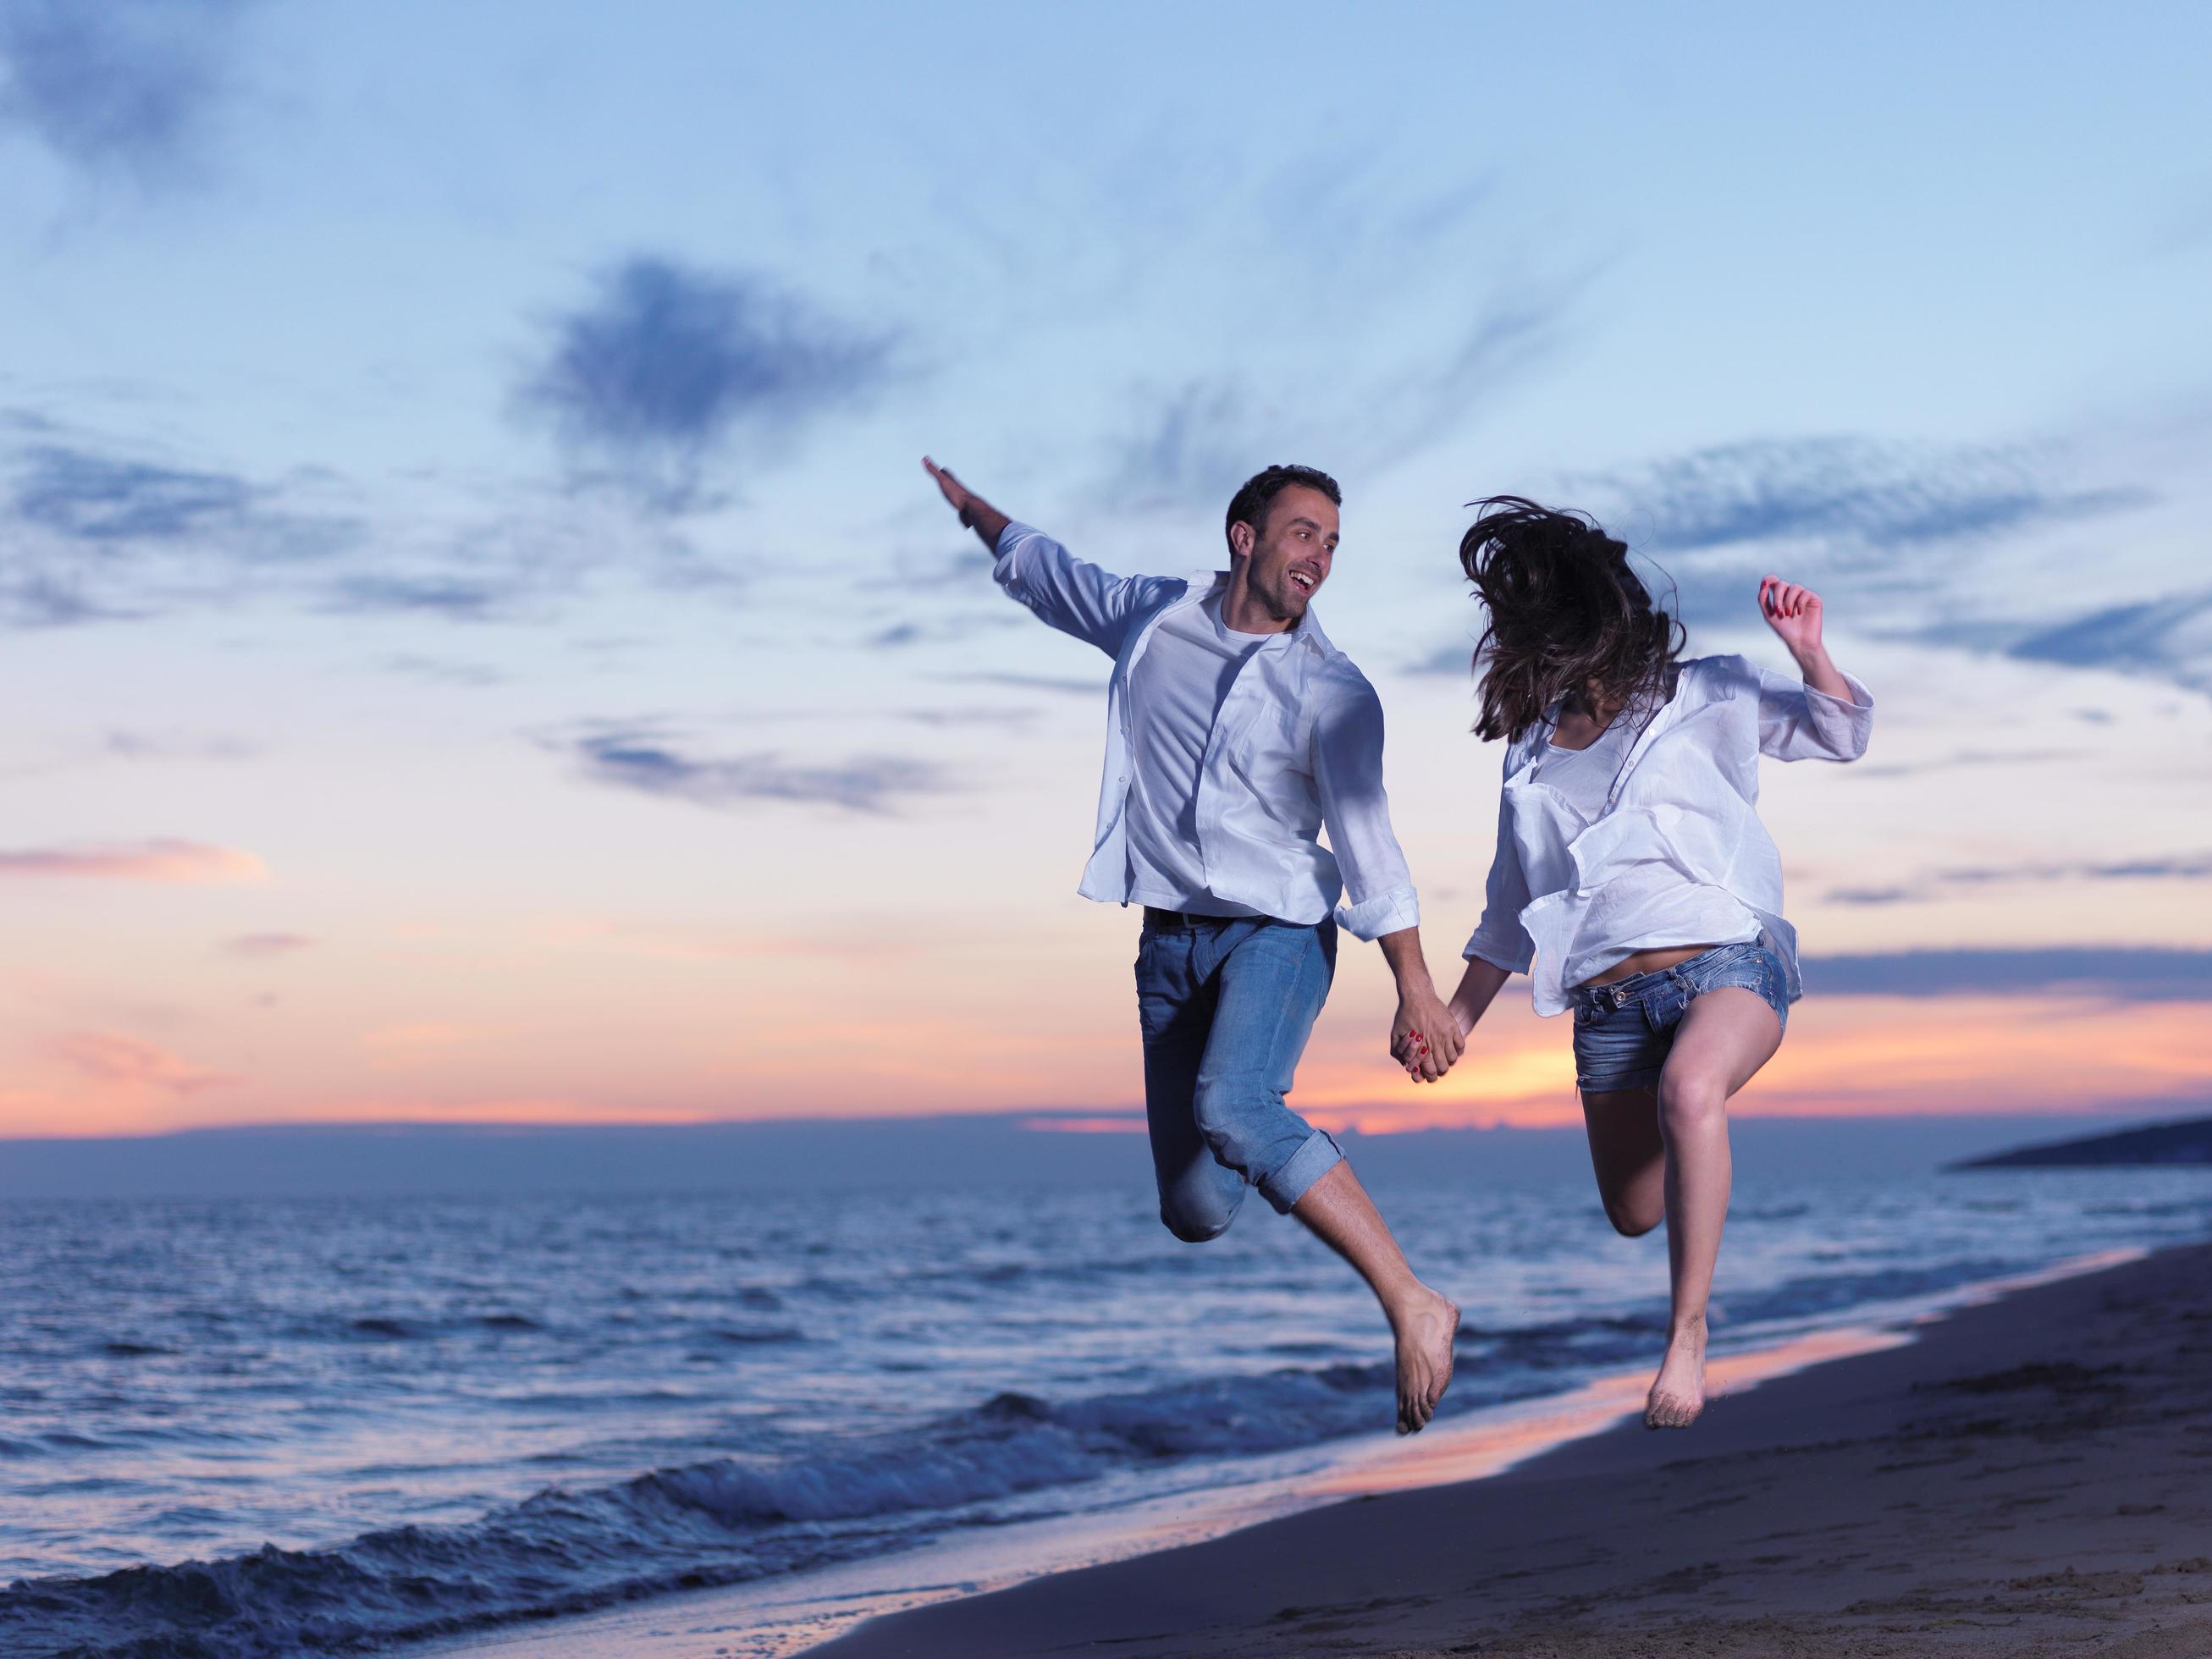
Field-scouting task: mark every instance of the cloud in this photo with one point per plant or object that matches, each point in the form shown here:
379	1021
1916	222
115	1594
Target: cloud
667	365
111	1058
2170	636
179	745
1190	446
261	946
457	598
100	498
95	535
949	630
639	760
949	717
46	600
441	671
179	863
1455	660
1966	757
119	86
1849	492
1067	685
2129	973
1942	883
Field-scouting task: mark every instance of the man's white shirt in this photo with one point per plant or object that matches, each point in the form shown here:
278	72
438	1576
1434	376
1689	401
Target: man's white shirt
1295	747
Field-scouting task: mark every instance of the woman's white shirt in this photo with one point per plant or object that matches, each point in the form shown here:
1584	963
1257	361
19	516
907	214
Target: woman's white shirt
1669	850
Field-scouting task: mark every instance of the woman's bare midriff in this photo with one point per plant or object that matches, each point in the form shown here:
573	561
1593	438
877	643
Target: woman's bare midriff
1645	962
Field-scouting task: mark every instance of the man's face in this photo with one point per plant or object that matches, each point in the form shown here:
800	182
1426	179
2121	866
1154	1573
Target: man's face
1292	552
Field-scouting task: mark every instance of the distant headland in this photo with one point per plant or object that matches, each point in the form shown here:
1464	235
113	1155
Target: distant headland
2186	1142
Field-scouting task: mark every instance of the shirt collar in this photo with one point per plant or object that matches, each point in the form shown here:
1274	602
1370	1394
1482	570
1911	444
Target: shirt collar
1206	583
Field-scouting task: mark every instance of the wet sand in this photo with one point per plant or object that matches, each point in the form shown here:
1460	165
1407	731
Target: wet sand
2030	1476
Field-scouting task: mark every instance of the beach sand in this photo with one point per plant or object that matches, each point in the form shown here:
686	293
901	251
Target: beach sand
2030	1476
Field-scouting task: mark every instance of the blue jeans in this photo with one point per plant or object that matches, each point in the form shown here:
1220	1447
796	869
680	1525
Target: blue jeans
1226	1004
1624	1031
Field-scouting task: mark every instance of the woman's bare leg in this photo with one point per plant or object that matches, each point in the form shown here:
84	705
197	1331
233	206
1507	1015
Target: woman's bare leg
1725	1036
1628	1156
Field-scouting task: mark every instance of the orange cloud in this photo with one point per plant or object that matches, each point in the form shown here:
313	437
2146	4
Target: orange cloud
109	1057
256	946
182	863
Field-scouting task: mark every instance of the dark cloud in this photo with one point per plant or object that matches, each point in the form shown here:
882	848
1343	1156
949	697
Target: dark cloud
944	630
666	364
457	598
2171	637
1848	491
116	85
94	532
96	536
1191	446
2130	972
644	760
96	498
41	599
1945	883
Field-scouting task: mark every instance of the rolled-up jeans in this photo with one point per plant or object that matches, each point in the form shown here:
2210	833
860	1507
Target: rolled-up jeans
1226	1004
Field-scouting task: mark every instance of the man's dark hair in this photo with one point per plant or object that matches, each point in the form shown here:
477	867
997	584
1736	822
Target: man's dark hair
1249	504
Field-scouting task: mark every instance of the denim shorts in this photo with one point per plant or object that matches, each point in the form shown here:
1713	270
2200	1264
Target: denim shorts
1624	1030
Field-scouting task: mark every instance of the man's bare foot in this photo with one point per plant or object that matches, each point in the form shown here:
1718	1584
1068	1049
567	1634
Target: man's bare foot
1426	1327
1679	1394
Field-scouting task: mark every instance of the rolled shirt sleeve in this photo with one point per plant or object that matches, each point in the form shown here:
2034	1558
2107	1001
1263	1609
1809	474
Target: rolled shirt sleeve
1073	595
1347	756
1796	722
1499	939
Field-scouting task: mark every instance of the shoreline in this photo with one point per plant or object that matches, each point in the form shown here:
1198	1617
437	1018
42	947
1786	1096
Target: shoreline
2028	1476
949	1596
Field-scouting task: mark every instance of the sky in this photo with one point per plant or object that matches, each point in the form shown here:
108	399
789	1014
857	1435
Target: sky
479	645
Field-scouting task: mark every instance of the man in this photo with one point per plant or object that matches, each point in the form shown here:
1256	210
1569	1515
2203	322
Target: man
1236	732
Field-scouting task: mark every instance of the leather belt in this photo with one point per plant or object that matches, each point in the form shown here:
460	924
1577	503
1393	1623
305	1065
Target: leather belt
1185	921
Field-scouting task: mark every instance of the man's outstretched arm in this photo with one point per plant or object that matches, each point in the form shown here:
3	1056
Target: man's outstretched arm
978	514
1074	596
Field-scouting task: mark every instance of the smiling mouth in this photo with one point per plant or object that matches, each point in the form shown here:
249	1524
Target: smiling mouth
1303	582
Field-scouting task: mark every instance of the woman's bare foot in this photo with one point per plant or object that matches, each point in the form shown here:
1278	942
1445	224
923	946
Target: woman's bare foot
1679	1394
1427	1327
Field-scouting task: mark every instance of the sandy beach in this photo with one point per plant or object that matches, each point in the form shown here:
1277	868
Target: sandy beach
2032	1476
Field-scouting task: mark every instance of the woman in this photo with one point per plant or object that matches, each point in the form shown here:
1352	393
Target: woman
1633	872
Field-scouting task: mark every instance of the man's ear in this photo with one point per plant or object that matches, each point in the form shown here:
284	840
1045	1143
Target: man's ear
1241	539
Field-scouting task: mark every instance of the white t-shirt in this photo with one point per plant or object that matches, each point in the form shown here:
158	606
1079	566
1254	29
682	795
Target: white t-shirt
1649	905
1175	692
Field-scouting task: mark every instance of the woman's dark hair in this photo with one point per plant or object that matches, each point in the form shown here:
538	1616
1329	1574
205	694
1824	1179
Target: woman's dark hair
1568	619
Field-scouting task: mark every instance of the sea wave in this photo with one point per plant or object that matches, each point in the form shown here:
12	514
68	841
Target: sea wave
711	1523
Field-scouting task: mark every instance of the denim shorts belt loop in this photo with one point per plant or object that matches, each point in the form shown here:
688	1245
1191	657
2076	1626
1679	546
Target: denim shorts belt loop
1625	1030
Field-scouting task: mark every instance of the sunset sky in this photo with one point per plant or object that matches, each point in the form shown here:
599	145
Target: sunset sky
478	642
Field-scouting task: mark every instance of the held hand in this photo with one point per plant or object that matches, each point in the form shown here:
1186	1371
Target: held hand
1793	614
1425	1038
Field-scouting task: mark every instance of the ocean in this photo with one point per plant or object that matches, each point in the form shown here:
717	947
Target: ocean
271	1426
